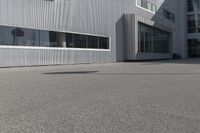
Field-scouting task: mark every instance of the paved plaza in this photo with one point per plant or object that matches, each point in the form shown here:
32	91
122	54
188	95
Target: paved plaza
135	97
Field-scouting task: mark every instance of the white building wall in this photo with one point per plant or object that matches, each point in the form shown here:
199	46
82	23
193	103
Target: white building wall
99	17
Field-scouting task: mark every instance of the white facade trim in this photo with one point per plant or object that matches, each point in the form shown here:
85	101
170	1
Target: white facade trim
53	48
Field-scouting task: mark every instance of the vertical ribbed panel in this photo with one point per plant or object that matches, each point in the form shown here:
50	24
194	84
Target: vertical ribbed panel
100	17
31	57
44	14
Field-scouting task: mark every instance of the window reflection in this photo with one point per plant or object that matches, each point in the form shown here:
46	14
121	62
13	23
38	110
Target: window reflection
152	39
47	39
16	36
6	36
26	37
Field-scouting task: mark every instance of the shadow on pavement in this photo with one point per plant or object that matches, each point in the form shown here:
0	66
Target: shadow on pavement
73	72
194	61
126	74
145	74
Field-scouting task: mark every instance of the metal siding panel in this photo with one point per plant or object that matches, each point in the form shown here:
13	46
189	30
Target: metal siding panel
63	15
85	16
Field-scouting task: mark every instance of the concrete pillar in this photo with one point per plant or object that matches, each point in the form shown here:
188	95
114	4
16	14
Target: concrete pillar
61	39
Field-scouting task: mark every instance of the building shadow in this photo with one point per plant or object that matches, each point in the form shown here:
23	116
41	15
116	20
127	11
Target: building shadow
192	61
177	28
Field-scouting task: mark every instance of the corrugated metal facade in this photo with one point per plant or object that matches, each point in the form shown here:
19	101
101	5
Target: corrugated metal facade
99	17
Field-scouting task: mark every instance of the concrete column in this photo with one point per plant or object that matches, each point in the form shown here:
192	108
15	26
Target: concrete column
61	39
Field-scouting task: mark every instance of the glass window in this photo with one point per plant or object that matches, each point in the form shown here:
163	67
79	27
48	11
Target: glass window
103	43
152	40
139	3
193	19
7	35
69	40
147	5
92	42
144	4
192	23
193	5
53	39
153	8
194	47
79	41
168	15
26	37
43	38
48	39
142	45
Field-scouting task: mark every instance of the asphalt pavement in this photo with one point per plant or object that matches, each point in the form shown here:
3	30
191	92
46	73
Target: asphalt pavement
144	97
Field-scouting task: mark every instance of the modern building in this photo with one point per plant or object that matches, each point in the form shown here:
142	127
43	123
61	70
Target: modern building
48	32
